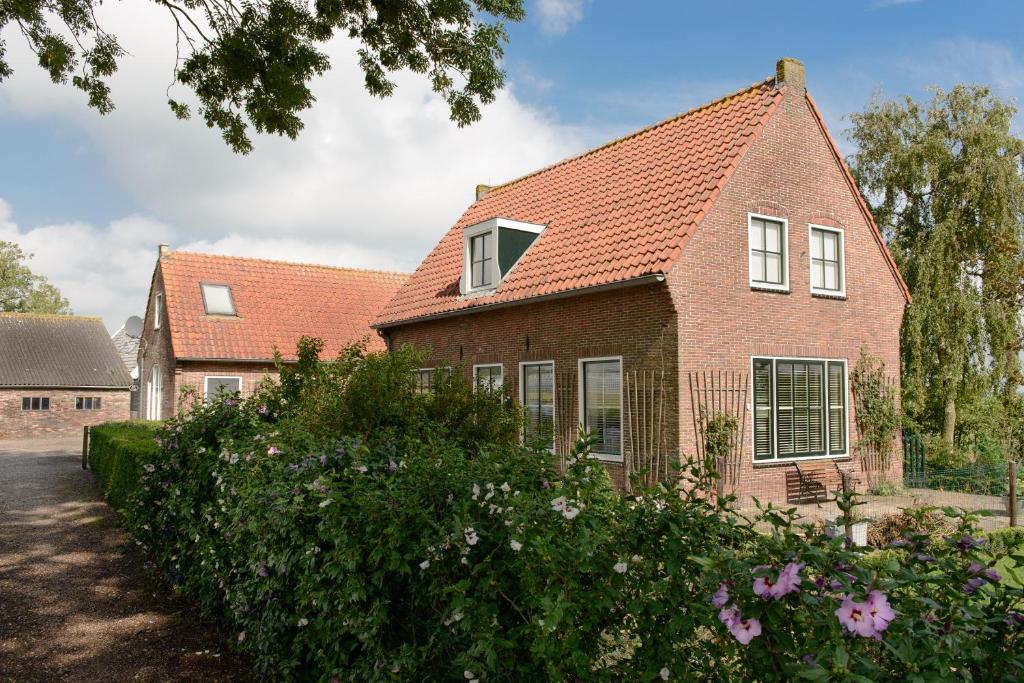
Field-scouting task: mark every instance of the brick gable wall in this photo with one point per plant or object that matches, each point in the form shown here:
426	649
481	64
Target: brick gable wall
155	348
790	172
62	419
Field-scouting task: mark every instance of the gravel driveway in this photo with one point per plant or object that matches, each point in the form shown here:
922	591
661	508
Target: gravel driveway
78	602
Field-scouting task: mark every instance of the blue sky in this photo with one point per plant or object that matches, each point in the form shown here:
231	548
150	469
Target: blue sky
374	183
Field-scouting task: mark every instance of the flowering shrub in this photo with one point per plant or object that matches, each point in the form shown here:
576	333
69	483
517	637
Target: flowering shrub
423	542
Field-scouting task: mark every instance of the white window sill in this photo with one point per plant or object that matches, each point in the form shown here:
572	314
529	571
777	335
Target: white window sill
760	287
828	294
482	291
790	461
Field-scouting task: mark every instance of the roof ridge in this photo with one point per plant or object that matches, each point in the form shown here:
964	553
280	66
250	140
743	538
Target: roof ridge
50	316
636	133
289	263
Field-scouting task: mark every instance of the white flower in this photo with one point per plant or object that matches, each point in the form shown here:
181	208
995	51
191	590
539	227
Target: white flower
558	504
505	487
325	502
664	673
424	564
469	675
471	536
620	567
516	545
241	636
476	491
149	468
494	508
360	468
635	559
570	512
303	622
490	493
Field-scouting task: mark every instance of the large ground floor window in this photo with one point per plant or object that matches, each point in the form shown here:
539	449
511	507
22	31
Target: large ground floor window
538	398
799	408
601	405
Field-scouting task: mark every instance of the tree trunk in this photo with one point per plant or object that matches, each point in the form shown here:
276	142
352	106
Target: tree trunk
949	420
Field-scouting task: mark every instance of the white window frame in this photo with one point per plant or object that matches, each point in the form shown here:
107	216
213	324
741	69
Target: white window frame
581	406
476	384
825	397
432	372
206	383
554	396
154	394
158	309
784	287
231	298
491	226
841	292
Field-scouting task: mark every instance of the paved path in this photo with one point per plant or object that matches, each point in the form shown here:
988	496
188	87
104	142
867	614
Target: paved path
77	601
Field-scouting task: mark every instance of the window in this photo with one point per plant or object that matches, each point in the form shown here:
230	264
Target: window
155	394
799	408
217	299
35	403
490	377
425	378
481	258
87	403
601	405
215	385
827	272
538	397
158	310
768	253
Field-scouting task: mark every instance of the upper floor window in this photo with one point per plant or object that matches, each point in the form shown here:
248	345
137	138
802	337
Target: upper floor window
799	408
217	299
35	403
827	268
767	240
87	403
491	249
158	310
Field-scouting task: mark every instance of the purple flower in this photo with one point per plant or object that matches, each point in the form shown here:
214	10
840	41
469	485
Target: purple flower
262	571
729	615
228	535
976	568
263	410
1015	618
721	596
273	450
745	630
787	581
294	467
965	542
545	484
230	403
921	557
993	576
973	584
809	660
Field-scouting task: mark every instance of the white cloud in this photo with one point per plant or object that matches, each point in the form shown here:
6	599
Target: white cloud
369	182
558	16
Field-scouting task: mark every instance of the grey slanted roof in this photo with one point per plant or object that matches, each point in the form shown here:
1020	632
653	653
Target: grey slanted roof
57	351
127	347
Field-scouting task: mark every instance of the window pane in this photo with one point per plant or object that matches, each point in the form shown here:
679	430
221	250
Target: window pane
836	409
215	385
79	403
831	276
757	266
478	273
96	404
489	377
773	269
762	409
830	242
817	274
218	300
26	403
602	405
816	244
44	403
772	237
538	399
756	234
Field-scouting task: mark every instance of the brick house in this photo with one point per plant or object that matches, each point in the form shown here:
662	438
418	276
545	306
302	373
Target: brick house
214	322
721	261
58	373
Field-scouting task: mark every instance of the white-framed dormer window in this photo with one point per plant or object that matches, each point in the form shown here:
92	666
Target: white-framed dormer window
768	253
828	260
158	310
217	299
600	394
491	250
215	384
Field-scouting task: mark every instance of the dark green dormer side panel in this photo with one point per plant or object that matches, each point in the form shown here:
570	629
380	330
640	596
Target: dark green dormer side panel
512	244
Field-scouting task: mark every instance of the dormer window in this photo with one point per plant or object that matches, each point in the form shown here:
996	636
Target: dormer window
491	250
217	299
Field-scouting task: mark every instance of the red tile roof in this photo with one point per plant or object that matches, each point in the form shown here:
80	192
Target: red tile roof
277	302
616	213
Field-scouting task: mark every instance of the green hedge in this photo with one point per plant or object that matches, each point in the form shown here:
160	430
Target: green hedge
115	452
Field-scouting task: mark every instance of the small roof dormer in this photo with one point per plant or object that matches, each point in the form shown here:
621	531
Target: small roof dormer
491	250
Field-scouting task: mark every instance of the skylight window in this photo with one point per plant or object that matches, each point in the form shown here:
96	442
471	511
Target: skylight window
491	250
217	300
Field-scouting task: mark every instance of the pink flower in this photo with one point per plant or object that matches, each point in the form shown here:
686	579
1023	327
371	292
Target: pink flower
745	630
729	616
787	582
763	584
867	619
721	596
273	450
880	610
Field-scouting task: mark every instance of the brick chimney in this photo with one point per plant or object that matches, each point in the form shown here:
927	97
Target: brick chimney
482	190
790	72
162	250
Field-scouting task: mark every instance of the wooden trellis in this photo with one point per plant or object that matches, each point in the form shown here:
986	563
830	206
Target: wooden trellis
566	419
644	416
717	392
873	464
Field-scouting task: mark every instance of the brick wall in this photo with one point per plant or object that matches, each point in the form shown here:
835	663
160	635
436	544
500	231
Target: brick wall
62	419
155	350
637	323
790	173
193	374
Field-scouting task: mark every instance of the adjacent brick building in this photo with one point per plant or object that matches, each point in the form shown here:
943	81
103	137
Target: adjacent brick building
216	321
58	373
719	262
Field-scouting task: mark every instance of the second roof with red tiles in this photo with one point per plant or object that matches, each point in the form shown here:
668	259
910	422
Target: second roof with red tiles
276	304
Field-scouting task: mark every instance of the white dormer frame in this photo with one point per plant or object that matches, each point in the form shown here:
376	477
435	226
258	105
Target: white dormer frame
489	226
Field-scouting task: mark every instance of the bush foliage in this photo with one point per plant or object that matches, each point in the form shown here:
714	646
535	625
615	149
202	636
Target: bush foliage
116	453
348	528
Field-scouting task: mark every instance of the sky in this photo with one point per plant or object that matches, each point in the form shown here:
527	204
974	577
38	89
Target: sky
376	183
